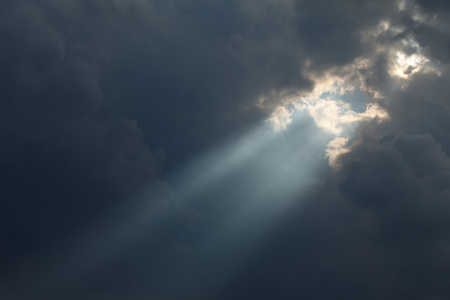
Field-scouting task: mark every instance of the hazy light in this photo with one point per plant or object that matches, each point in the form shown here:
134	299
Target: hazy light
211	167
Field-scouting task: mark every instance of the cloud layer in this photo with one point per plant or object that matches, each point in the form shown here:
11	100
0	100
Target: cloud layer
103	102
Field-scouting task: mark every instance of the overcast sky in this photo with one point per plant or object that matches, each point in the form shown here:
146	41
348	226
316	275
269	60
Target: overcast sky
228	149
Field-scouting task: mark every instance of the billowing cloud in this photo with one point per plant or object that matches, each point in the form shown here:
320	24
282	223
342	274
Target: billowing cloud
104	103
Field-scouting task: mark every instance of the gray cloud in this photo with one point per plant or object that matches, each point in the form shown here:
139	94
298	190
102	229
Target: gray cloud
96	96
61	163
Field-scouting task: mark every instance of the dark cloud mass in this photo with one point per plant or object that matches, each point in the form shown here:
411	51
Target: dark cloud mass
163	149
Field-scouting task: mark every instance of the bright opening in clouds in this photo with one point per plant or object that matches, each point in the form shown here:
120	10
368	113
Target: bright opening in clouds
408	64
330	107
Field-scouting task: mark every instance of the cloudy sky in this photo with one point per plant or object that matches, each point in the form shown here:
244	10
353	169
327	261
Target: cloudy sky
228	149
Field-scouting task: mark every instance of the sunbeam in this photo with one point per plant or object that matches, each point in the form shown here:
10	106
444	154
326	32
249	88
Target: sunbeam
254	178
248	183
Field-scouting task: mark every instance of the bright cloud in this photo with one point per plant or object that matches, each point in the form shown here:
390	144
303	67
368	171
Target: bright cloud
331	113
335	116
404	65
281	118
335	148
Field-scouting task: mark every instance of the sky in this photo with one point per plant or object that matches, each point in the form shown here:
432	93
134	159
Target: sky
238	149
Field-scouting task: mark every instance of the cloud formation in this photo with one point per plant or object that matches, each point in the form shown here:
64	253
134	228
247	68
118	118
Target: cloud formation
103	101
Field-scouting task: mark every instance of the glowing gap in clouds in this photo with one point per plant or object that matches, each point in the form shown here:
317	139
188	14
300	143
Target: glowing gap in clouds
327	106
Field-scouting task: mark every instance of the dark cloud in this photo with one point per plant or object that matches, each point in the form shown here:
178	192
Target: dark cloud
334	33
400	184
378	230
61	164
102	100
434	5
422	107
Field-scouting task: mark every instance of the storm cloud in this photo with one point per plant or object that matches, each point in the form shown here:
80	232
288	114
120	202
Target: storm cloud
224	149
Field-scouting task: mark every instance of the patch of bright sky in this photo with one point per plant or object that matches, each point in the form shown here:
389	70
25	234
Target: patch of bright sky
357	100
336	108
405	65
409	59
